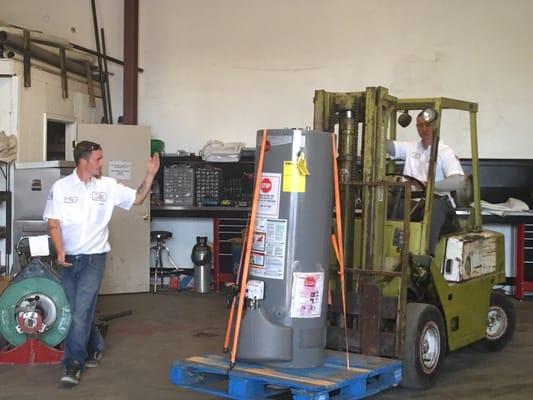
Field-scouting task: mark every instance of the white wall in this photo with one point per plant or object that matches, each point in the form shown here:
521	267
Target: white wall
72	20
223	69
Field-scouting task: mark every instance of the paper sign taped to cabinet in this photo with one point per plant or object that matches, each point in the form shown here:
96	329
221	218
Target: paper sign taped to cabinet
120	170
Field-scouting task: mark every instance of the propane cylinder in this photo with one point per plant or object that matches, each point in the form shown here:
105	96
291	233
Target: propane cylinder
201	257
285	320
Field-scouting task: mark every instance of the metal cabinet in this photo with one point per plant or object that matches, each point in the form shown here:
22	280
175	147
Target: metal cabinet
33	181
226	229
524	260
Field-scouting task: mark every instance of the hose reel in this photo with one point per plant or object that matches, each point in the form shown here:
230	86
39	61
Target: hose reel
34	305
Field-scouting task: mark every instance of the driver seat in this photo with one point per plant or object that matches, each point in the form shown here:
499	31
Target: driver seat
465	195
463	198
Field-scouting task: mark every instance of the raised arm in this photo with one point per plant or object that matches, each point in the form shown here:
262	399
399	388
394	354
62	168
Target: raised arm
450	183
391	151
152	166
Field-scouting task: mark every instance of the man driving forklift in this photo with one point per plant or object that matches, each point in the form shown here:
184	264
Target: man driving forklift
448	173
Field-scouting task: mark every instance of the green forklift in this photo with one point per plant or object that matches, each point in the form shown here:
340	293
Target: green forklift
403	300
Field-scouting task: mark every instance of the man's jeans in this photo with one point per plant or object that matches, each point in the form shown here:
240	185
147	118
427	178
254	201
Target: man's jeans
81	283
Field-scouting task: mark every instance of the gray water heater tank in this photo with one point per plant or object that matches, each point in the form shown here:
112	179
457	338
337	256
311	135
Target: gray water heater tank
284	323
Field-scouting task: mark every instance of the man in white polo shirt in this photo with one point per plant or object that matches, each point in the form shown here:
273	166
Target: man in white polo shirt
448	173
78	210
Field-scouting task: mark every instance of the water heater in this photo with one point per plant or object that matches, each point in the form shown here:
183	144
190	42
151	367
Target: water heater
286	307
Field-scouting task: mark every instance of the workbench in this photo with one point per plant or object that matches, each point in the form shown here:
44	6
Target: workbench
227	222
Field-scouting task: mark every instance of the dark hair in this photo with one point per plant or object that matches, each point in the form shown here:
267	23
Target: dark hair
83	150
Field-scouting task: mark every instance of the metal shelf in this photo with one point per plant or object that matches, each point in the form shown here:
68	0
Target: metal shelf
6	197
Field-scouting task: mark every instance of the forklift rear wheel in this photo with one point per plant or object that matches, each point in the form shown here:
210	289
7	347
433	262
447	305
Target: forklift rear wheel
425	346
501	323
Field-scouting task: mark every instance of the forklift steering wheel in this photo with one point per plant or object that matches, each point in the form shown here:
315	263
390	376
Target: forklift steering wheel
419	185
416	194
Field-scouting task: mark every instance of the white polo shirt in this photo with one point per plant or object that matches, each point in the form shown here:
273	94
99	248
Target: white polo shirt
417	161
84	211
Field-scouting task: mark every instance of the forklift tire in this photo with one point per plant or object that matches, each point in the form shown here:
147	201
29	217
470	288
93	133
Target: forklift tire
501	323
425	346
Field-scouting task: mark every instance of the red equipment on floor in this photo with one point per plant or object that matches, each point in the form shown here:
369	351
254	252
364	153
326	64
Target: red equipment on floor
34	312
32	352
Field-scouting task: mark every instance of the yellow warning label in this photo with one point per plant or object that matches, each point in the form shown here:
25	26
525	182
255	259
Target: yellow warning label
293	180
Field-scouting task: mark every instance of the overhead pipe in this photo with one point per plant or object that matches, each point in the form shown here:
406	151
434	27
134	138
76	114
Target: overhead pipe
106	76
100	69
43	66
17	43
106	57
54	41
131	61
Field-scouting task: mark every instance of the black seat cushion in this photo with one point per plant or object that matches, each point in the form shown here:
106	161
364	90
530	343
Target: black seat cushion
160	235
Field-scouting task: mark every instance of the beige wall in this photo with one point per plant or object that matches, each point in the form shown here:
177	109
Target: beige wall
25	110
221	69
72	20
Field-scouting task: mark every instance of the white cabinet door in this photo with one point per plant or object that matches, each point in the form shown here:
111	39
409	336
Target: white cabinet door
126	150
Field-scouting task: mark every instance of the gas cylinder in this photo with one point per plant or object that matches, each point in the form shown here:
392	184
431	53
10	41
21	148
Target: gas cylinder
201	258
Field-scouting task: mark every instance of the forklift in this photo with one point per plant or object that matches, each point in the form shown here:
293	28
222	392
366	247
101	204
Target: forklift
403	300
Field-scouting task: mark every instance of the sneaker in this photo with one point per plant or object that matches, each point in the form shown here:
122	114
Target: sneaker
72	374
93	360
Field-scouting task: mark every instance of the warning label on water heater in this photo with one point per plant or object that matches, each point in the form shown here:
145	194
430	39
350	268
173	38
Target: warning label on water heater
307	292
269	194
268	248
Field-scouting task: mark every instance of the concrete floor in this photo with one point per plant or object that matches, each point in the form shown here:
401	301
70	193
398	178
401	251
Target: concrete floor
169	326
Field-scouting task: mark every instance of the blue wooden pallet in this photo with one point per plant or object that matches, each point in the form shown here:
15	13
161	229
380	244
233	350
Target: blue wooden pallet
367	376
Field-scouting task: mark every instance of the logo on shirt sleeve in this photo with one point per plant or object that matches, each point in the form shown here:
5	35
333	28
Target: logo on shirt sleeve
50	195
99	196
70	200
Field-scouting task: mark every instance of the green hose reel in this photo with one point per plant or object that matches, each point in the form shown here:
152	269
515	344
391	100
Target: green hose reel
44	295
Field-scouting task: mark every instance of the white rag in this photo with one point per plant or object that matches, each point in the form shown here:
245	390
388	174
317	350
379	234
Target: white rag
512	205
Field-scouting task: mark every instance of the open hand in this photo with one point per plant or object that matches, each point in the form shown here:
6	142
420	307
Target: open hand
152	166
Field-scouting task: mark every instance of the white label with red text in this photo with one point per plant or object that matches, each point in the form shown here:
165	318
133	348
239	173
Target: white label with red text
268	248
269	194
307	292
